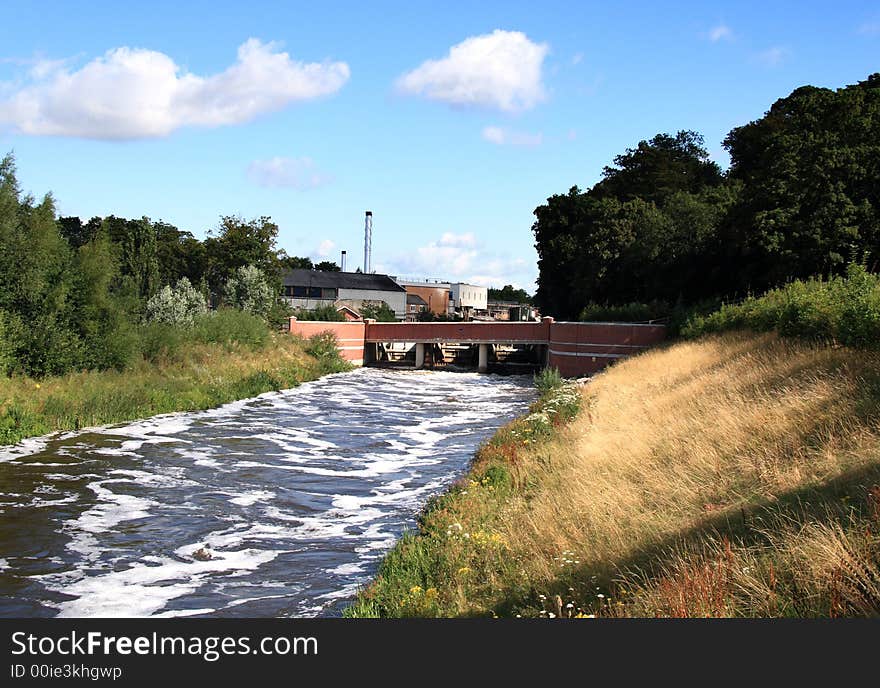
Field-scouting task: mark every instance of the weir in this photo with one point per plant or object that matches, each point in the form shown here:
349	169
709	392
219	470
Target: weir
574	348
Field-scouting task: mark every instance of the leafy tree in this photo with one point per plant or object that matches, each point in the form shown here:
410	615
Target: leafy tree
138	253
294	262
179	305
510	295
238	243
327	313
810	200
380	312
327	266
249	290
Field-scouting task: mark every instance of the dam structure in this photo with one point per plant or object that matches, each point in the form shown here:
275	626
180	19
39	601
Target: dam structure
574	348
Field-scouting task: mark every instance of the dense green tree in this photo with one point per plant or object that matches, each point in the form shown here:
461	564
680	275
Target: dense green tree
809	170
236	243
137	250
380	312
508	294
327	266
294	262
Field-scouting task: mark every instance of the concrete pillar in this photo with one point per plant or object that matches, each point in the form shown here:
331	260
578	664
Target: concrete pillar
420	355
483	364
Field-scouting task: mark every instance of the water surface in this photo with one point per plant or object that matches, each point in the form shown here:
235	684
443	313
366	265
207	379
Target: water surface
296	494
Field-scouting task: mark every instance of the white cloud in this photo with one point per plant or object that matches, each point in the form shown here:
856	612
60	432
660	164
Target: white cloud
461	257
291	173
325	248
773	57
722	32
132	93
571	135
871	28
502	136
577	59
500	70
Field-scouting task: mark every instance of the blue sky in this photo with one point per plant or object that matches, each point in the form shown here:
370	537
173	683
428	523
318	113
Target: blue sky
450	122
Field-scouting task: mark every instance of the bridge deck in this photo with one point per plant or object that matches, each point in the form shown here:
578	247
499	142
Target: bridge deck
575	348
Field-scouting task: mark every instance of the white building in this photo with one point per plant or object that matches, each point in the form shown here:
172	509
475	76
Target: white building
468	298
309	289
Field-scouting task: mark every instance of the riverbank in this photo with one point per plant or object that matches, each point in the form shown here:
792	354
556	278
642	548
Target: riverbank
197	376
733	475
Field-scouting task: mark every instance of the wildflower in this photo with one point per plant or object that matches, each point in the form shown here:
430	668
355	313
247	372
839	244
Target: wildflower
463	570
600	596
37	385
551	615
416	589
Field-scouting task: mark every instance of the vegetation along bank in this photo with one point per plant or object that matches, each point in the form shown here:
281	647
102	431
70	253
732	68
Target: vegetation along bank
736	473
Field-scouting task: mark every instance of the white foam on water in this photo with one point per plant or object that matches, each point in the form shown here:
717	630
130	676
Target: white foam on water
143	590
346	569
112	510
249	498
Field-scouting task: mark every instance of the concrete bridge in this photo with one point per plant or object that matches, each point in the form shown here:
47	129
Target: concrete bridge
575	348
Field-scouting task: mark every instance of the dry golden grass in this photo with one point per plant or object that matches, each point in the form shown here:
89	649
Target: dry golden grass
679	444
734	475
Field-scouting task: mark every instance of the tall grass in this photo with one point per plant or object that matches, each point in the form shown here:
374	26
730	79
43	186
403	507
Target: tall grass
180	375
735	475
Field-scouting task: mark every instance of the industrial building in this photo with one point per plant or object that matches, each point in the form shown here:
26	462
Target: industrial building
449	298
308	289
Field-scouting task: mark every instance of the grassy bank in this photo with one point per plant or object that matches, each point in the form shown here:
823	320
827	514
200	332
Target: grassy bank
177	376
734	475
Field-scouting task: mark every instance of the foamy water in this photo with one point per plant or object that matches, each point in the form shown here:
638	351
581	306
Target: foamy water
295	495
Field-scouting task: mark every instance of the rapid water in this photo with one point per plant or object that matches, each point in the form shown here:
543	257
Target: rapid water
297	494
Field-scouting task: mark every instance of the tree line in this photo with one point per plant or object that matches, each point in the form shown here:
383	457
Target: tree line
80	295
667	226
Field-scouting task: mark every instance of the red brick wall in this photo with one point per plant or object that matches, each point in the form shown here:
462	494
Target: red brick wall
582	348
349	336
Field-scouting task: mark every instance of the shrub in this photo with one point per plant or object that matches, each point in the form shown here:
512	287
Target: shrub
326	313
161	341
179	305
628	312
844	309
380	312
249	291
229	325
547	380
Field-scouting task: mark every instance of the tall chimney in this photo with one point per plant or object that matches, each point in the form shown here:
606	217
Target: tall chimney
368	241
342	262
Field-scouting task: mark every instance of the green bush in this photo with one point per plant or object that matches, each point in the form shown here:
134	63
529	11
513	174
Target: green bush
547	380
161	341
629	312
326	313
843	309
230	325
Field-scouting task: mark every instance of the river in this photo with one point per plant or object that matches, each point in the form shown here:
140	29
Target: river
276	506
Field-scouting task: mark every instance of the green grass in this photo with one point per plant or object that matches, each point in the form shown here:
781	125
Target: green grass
183	376
445	567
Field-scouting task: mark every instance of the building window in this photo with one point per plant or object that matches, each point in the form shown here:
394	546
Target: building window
329	293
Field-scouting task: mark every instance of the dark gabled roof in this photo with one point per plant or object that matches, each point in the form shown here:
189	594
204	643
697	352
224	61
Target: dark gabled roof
415	300
339	280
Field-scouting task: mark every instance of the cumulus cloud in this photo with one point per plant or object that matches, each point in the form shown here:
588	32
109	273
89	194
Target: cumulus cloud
461	257
132	93
291	173
502	136
500	70
325	248
722	32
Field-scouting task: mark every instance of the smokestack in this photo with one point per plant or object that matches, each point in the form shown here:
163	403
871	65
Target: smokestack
368	241
342	262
